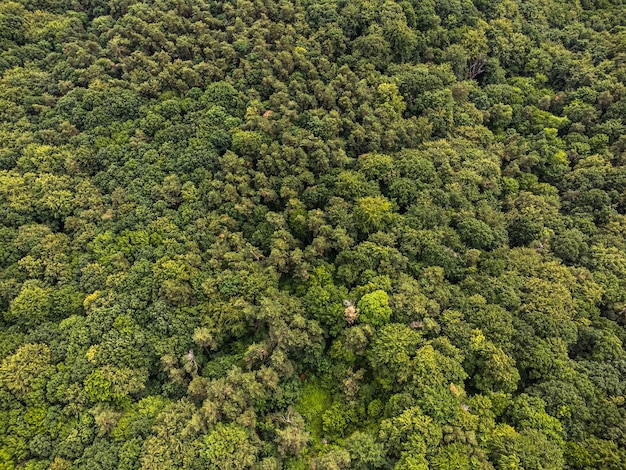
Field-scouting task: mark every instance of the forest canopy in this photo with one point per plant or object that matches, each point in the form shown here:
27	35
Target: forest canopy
326	234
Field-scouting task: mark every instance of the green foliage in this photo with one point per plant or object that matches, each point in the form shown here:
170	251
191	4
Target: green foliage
410	431
372	213
312	404
32	306
228	447
26	371
391	351
336	420
475	233
365	452
569	245
528	449
494	370
328	235
594	453
374	308
324	300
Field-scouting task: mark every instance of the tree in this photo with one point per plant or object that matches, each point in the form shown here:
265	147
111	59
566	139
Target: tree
372	213
494	370
292	439
410	431
374	308
475	233
168	444
32	306
325	301
336	459
27	370
228	446
391	350
569	245
528	449
365	452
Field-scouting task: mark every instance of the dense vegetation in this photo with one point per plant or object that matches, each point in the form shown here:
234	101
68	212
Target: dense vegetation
321	234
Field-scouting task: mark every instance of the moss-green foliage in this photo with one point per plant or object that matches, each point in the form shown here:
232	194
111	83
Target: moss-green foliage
369	234
312	405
